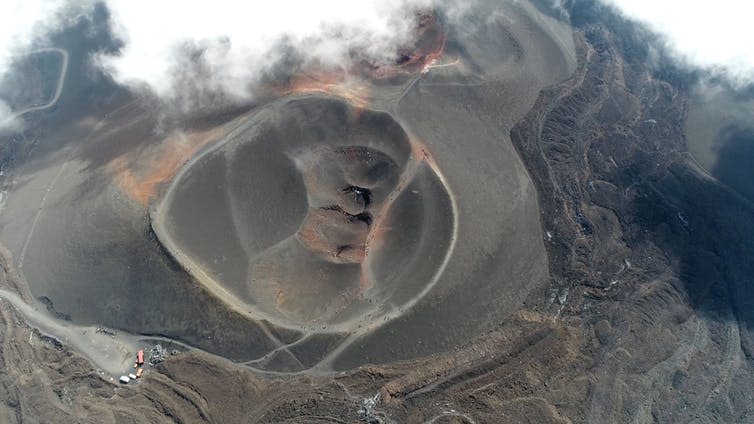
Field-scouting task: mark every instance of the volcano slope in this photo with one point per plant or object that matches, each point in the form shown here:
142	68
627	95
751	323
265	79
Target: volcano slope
314	230
644	316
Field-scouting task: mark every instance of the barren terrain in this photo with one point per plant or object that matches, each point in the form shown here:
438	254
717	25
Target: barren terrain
523	230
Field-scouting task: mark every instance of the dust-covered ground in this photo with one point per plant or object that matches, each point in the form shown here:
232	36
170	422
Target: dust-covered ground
321	227
597	273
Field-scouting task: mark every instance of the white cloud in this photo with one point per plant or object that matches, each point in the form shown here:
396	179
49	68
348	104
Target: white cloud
236	42
714	35
22	22
240	41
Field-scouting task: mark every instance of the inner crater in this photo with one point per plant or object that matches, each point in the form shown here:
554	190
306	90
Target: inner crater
311	215
345	186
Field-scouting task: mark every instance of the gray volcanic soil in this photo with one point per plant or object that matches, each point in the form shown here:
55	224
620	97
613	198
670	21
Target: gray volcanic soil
498	257
497	254
647	314
80	243
278	216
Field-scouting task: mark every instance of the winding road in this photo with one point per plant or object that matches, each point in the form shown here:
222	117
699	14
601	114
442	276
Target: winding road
113	355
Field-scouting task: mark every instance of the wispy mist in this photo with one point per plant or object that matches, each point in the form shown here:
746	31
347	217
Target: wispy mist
227	47
716	36
26	25
7	120
189	52
21	23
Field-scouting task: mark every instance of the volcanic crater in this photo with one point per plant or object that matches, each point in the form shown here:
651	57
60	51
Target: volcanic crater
306	233
313	213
